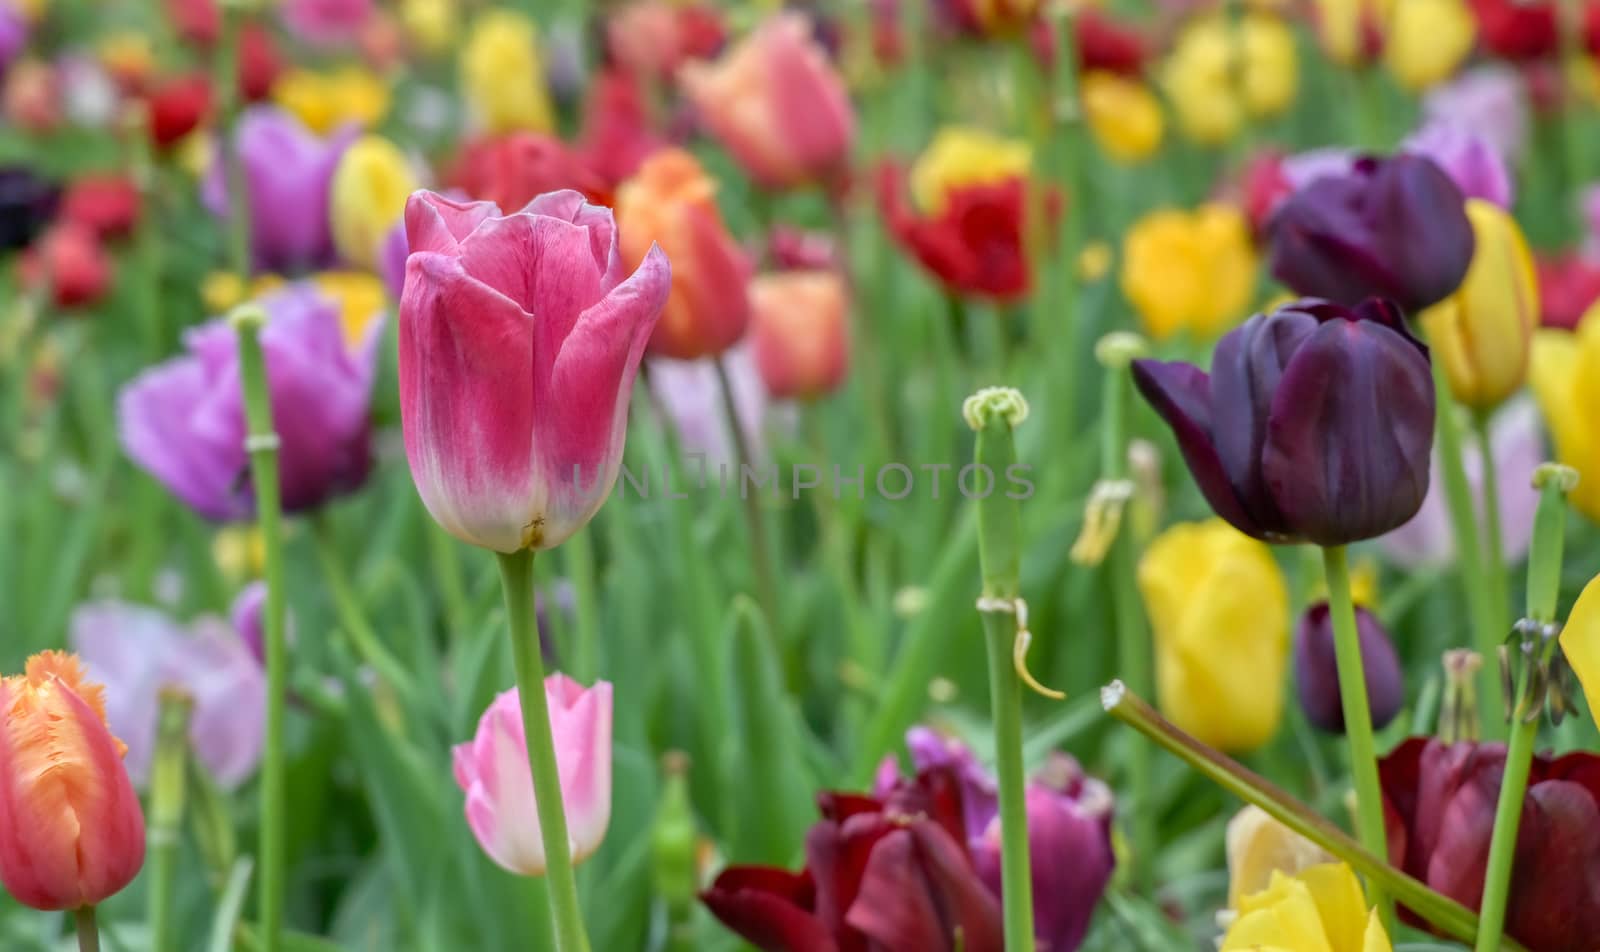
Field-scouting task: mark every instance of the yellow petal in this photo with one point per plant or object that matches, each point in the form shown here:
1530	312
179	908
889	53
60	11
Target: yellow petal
1427	41
1258	846
1340	904
1375	939
1565	366
1284	915
962	156
1580	642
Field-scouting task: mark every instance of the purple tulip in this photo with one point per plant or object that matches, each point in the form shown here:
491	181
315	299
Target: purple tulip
13	34
1315	423
1516	439
245	613
1491	100
1394	228
287	172
691	397
1467	157
138	652
1316	670
183	421
392	255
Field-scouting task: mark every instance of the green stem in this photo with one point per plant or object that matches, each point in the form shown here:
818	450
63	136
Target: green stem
353	620
755	519
1544	580
516	575
226	86
579	551
168	769
994	414
88	930
1494	559
1469	551
262	444
1357	719
1443	913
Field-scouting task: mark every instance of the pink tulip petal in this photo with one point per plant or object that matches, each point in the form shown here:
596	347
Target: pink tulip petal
436	223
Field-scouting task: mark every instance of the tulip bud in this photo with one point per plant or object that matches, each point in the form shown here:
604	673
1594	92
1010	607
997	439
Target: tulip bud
178	106
1189	271
1221	71
520	337
1327	469
1219	611
501	76
492	770
1124	116
1316	671
799	332
69	261
71	831
671	202
368	195
1483	333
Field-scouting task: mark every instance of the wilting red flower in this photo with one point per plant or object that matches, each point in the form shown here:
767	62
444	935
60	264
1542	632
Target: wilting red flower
885	874
178	106
69	261
106	204
974	245
259	62
1439	801
1568	285
512	170
617	133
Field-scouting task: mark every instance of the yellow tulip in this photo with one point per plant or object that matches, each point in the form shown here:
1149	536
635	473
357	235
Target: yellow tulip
1566	380
1189	270
368	195
1124	115
1271	65
1220	72
1483	333
1320	909
1580	642
324	101
961	156
360	297
1219	610
1428	40
501	76
1259	846
431	25
1348	26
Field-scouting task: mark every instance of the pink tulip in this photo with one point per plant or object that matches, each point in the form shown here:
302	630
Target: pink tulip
492	769
799	328
520	337
777	104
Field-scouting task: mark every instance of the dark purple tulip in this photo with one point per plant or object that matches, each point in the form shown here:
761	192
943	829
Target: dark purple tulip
183	421
287	172
1315	423
1316	670
1394	228
26	204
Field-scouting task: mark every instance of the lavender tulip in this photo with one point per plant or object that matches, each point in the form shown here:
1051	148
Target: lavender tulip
1314	424
13	34
1316	672
1394	228
183	421
287	172
691	397
1518	446
1490	100
138	652
1468	158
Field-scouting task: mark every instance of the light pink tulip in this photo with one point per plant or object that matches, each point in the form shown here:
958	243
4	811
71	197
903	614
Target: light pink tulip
520	337
777	104
492	769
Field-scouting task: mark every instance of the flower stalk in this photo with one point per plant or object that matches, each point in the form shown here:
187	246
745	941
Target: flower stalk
168	772
1494	559
88	929
994	413
1357	719
1533	643
262	445
761	554
516	577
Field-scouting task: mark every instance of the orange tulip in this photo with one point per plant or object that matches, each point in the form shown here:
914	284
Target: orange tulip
671	202
71	831
799	333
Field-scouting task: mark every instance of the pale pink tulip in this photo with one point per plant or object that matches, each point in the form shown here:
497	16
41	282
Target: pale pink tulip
492	769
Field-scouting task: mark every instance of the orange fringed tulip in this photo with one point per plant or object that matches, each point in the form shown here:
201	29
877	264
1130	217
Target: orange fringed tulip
671	201
71	831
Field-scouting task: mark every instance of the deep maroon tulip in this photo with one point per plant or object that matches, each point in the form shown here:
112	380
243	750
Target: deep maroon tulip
883	874
1315	423
1439	801
1316	671
26	203
1394	228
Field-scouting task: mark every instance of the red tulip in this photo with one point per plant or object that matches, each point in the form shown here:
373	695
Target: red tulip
259	63
70	261
178	106
71	831
888	874
800	332
617	134
1568	286
106	204
777	104
974	246
1531	29
513	169
1264	186
1440	803
197	21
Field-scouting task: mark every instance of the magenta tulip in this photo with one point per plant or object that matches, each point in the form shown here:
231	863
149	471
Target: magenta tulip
520	337
492	769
